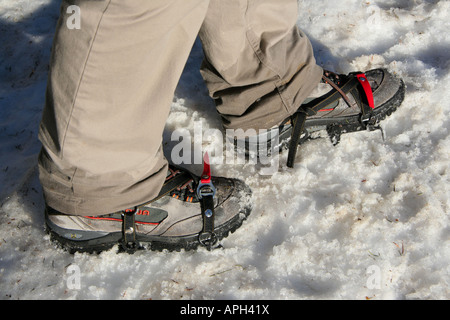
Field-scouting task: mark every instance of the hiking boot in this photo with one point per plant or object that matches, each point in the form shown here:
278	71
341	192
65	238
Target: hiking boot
345	103
189	212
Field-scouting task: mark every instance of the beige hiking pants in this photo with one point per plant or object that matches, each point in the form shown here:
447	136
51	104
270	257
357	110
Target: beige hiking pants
111	84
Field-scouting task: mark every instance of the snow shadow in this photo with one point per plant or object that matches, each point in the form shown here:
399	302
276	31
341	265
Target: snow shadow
26	42
436	56
26	38
324	57
191	87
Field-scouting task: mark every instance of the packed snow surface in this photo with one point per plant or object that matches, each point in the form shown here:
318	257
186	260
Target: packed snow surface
367	219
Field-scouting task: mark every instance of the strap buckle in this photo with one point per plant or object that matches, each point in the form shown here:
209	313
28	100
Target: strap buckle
207	239
205	190
129	242
205	187
369	123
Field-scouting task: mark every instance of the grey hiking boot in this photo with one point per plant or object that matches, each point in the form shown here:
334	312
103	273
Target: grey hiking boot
189	212
341	104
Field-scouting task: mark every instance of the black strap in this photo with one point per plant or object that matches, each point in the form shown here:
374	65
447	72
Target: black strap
298	124
207	237
338	92
350	85
129	242
205	194
173	184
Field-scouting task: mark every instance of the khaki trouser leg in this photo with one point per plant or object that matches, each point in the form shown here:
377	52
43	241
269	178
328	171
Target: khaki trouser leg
112	82
259	67
109	93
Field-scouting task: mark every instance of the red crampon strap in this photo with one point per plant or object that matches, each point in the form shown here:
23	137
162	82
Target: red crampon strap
206	175
367	89
205	186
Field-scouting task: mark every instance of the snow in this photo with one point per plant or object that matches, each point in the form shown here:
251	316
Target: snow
367	219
